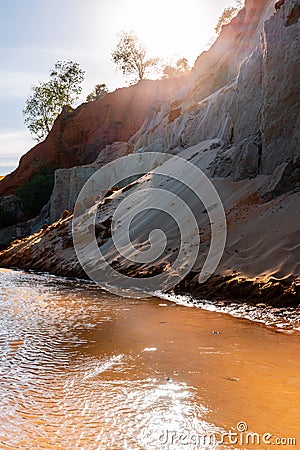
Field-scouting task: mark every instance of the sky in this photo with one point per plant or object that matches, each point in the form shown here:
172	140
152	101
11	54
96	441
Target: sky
34	34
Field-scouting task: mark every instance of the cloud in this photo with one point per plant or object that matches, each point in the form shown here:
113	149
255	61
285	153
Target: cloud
13	144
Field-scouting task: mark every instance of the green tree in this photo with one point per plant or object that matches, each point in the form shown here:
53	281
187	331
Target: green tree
48	98
180	68
131	58
100	91
227	15
67	77
41	110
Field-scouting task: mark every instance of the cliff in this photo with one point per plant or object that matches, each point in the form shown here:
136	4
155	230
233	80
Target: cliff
236	117
247	97
78	136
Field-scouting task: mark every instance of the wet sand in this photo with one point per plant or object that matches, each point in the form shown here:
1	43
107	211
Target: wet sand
81	368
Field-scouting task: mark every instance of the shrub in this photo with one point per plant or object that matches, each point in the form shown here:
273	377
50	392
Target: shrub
36	191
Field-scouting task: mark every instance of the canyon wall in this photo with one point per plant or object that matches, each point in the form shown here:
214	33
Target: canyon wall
78	136
237	118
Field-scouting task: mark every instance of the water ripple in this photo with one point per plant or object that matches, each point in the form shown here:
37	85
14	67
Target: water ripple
57	392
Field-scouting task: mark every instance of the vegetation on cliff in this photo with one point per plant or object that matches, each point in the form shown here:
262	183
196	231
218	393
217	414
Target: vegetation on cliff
227	15
36	191
49	98
131	58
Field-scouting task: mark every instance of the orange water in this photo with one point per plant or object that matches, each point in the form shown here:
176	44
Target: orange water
82	369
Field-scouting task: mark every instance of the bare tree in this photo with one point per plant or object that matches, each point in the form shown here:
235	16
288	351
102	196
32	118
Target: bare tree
131	58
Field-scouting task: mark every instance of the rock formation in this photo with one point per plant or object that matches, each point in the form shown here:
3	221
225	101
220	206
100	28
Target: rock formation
78	136
237	117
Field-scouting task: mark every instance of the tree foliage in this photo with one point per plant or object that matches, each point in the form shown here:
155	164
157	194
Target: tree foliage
48	98
180	68
41	110
100	91
67	77
227	15
131	58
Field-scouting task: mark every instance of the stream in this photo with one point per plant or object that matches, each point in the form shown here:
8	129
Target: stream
83	369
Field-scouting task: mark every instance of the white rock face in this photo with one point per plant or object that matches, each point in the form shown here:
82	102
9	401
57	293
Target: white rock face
255	115
113	151
281	89
69	182
67	185
244	92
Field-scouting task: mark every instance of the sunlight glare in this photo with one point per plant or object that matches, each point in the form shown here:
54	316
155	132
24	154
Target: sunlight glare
171	28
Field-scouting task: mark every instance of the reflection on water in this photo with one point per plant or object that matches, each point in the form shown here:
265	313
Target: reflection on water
82	369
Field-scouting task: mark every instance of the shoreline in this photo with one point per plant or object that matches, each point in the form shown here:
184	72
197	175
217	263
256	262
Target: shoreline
252	271
282	318
109	359
272	291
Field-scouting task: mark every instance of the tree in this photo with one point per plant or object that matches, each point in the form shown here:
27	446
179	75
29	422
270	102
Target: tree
100	91
227	15
67	77
49	98
182	65
41	110
180	68
130	56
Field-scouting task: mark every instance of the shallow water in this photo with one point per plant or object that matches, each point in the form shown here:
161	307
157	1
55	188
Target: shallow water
82	369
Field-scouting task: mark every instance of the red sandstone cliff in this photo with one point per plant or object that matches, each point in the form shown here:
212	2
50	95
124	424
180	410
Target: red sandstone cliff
78	137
